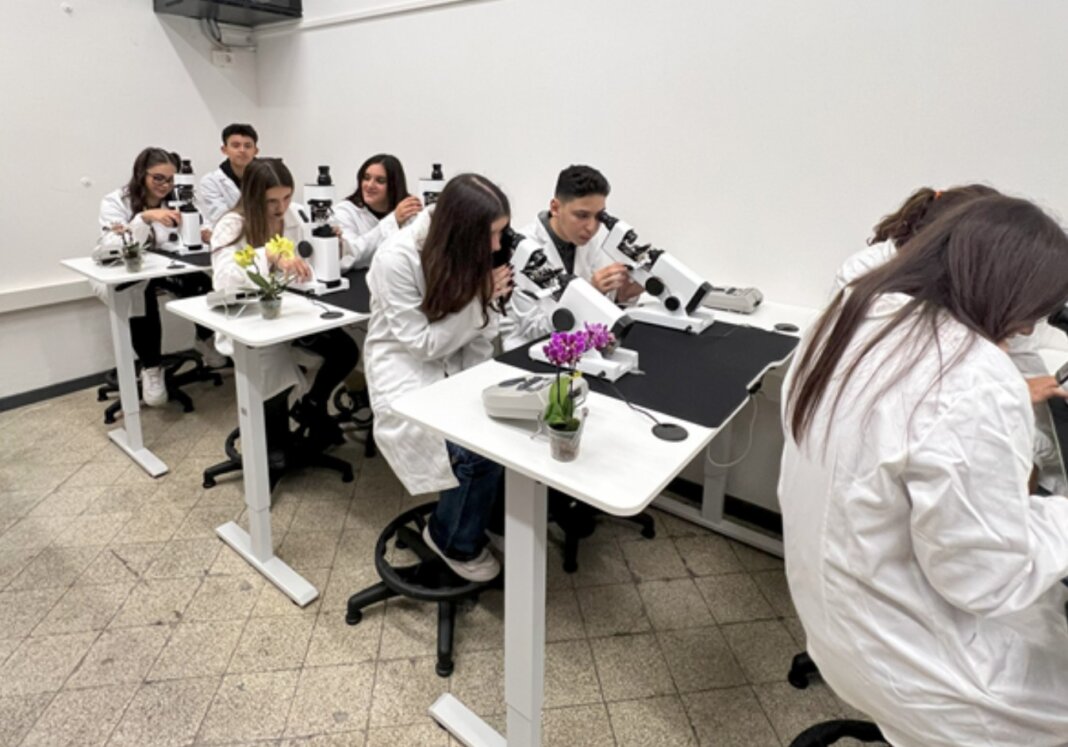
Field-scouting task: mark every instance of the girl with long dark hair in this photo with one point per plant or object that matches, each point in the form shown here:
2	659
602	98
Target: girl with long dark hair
434	293
925	574
378	208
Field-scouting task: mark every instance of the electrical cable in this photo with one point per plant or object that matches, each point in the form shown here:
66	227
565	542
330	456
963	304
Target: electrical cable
749	441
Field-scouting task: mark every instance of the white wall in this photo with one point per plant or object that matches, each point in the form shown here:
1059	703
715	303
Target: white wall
758	140
82	93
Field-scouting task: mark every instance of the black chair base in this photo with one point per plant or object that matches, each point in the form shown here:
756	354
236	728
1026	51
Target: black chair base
579	520
287	450
174	378
829	732
802	670
354	406
428	580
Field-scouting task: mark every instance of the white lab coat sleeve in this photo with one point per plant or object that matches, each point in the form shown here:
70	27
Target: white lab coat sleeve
115	210
358	243
392	279
529	318
212	200
1023	350
226	240
984	544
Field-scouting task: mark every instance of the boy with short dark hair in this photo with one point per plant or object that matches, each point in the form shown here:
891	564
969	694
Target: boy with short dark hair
221	189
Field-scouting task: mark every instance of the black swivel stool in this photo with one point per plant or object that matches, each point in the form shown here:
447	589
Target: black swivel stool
354	406
175	376
802	670
578	520
428	580
288	450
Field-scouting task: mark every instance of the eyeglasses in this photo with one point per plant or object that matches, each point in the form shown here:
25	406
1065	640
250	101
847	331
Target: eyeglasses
161	179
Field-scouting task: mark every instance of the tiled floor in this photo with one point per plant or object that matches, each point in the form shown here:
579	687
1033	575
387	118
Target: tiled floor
125	621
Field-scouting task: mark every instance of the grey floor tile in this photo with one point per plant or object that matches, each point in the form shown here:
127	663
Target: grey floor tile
708	554
404	689
84	608
303	550
612	610
225	598
342	739
120	563
734	597
563	619
21	611
423	735
585	725
570	675
120	656
335	642
198	649
249	706
274	603
600	563
631	667
791	711
18	714
773	586
729	718
332	699
480	625
185	558
653	559
653	722
478	681
81	717
43	664
54	567
675	603
92	529
66	501
165	714
755	560
700	659
271	643
410	628
156	602
764	649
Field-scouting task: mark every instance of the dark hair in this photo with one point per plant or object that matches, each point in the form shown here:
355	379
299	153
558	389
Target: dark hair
246	130
396	182
920	209
260	175
580	181
146	159
456	256
995	264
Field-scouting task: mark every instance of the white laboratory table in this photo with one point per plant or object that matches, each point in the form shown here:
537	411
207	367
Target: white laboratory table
122	286
252	336
621	467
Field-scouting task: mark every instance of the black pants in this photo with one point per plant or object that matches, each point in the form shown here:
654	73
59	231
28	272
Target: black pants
339	354
147	331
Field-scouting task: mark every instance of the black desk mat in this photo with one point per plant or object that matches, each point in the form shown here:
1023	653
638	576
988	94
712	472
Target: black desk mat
201	258
356	298
700	378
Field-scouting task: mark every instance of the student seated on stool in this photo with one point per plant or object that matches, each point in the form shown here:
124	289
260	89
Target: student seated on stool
264	211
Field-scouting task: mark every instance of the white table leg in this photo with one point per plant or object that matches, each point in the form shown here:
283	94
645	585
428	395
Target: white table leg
256	545
524	626
128	436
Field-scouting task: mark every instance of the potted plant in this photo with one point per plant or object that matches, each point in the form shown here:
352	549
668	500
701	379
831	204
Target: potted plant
133	254
274	282
564	420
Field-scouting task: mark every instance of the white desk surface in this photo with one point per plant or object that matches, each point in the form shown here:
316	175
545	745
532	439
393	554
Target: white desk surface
299	317
155	266
621	465
769	314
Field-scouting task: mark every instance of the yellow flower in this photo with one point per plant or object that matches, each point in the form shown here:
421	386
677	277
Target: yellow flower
245	257
280	248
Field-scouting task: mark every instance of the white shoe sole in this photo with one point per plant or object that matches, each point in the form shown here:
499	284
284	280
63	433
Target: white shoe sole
458	566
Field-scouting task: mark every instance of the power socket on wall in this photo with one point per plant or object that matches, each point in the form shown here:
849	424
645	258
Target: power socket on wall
222	58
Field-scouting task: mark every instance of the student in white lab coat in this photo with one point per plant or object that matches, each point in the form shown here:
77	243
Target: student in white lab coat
433	298
572	236
926	576
140	209
893	232
221	189
378	208
264	211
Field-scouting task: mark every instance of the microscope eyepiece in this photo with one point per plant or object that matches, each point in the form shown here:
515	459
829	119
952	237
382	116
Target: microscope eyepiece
324	179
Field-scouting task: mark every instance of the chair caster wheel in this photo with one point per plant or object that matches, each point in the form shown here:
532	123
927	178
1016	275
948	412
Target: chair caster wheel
347	477
649	533
570	567
209	482
353	618
444	669
109	420
798	680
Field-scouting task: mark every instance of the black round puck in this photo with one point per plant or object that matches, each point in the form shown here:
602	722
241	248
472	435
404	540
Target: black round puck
331	315
670	432
786	327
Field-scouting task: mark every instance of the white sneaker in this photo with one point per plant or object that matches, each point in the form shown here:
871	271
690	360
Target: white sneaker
153	390
208	353
496	542
479	569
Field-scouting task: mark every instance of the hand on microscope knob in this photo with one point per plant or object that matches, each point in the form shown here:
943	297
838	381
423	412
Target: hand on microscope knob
163	216
205	235
502	281
406	208
610	278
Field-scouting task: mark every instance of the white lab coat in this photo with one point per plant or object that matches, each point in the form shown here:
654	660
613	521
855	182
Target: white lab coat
404	352
280	369
926	578
216	196
361	233
115	208
1023	349
526	319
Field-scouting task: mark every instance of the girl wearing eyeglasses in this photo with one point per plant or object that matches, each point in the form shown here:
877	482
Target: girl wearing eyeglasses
140	208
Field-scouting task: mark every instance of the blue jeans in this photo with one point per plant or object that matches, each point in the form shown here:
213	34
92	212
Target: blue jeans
458	524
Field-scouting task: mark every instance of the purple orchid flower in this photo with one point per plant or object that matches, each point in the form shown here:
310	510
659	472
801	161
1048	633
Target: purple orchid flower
564	349
598	337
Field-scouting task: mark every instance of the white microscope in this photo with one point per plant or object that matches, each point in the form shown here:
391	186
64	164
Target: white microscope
677	290
570	302
429	189
185	239
320	245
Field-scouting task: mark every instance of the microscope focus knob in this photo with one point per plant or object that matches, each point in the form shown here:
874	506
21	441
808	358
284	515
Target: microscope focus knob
671	303
654	285
563	320
304	248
